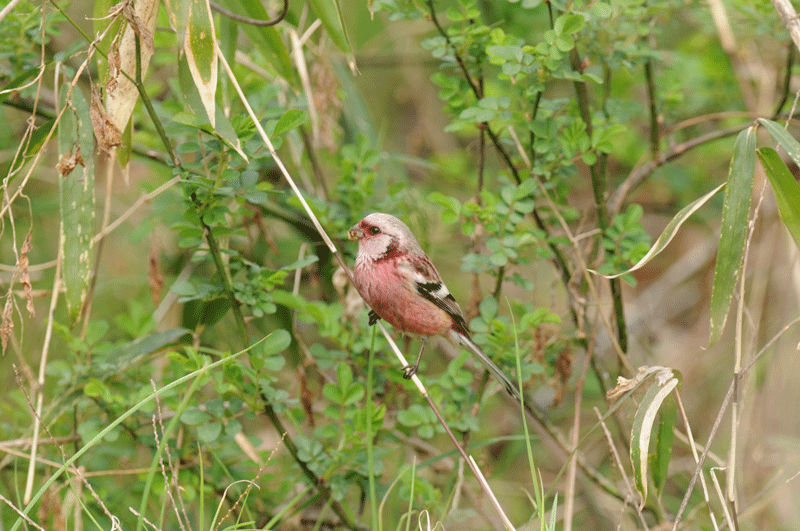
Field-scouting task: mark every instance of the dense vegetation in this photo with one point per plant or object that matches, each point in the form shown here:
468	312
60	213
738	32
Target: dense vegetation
183	349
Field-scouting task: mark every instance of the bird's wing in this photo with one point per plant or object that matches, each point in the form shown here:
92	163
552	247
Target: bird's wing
428	283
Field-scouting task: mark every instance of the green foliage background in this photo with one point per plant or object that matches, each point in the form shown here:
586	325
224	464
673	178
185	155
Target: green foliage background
207	365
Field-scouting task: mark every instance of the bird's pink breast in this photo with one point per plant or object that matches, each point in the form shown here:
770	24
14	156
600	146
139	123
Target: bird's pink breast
393	299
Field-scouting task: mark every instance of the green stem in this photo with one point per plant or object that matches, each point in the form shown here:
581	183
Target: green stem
651	97
213	248
149	106
598	174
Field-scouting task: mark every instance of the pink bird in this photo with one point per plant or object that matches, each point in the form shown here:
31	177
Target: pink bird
398	281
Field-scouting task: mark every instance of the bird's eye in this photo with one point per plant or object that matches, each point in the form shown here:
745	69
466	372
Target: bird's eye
374	230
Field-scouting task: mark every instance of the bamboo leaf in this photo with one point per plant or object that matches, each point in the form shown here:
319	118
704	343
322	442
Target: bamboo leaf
783	138
76	184
192	100
733	230
122	93
642	430
200	45
670	231
787	192
659	460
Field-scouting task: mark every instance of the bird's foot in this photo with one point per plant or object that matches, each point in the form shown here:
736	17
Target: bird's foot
409	371
373	317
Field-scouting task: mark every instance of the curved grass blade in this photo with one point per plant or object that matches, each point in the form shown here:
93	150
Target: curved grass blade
669	231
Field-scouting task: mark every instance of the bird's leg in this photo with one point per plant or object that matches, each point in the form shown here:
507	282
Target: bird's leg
373	317
411	370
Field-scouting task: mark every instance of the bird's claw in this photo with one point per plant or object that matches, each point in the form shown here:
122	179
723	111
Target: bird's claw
373	317
409	371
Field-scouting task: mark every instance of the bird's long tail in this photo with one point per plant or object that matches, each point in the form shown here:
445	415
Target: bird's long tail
489	364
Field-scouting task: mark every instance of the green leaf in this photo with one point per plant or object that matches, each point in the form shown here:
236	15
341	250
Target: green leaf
332	393
642	431
291	119
659	460
733	232
451	205
34	144
787	192
183	289
194	416
783	138
198	115
569	24
76	186
299	264
209	432
275	342
95	388
17	82
670	231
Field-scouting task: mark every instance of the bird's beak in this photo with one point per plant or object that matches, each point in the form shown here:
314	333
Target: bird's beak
355	233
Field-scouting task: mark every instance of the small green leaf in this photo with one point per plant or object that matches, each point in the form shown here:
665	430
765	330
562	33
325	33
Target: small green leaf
291	119
333	393
569	24
209	432
303	262
183	289
195	416
276	342
95	388
450	204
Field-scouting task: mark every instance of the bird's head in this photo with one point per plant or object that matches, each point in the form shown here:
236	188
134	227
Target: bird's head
381	234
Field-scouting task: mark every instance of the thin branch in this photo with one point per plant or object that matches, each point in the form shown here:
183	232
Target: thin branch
598	174
655	137
252	21
787	80
638	175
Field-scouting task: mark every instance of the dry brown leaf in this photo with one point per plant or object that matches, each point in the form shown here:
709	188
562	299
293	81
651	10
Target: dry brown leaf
121	93
154	275
69	161
105	131
25	277
7	322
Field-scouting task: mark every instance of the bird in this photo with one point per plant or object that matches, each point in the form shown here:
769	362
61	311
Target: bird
402	286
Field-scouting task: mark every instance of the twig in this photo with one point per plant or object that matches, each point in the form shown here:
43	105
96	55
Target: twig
569	494
598	174
638	175
620	467
252	21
